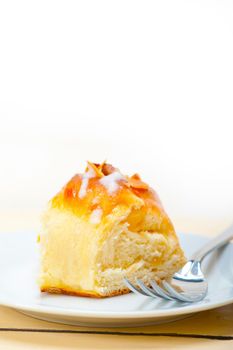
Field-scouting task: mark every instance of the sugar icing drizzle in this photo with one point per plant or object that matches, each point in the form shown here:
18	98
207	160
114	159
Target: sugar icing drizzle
110	181
86	176
96	215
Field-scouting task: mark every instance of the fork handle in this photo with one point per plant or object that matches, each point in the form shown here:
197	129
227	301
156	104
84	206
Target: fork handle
214	243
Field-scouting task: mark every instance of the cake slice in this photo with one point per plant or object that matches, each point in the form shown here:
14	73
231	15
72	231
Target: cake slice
101	227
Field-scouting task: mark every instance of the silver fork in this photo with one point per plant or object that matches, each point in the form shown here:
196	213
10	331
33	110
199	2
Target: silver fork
189	284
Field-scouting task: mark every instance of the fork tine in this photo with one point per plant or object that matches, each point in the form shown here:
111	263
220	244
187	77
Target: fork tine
160	291
147	290
174	293
133	288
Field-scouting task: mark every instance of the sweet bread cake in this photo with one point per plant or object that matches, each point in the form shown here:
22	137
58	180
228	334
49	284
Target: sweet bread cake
101	227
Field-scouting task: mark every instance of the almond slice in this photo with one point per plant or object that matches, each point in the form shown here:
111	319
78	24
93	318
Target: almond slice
108	169
136	176
96	169
138	183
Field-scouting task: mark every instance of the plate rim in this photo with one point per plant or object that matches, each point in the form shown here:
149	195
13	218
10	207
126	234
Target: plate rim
108	315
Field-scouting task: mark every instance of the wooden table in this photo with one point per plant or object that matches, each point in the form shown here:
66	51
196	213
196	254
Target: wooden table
207	330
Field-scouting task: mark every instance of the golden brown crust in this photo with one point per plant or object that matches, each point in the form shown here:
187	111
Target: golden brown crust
131	192
55	290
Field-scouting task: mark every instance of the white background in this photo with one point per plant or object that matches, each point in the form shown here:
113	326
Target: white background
147	85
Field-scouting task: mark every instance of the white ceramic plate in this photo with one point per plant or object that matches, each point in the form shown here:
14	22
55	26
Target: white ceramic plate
18	289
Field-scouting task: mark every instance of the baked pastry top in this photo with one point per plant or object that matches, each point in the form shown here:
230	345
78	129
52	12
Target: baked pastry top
104	226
